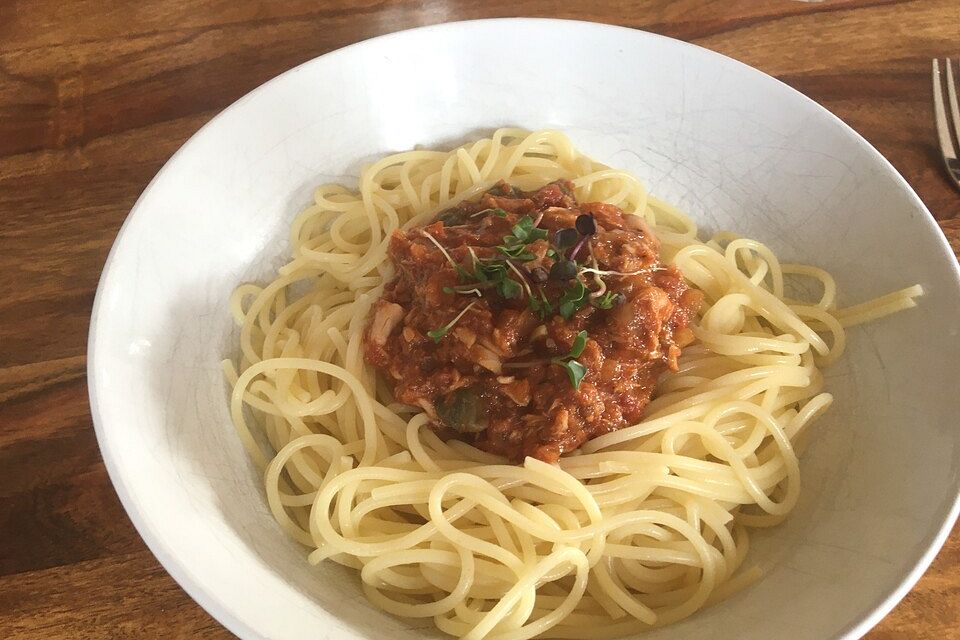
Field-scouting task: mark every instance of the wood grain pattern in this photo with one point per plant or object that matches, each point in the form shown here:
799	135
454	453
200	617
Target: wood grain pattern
95	95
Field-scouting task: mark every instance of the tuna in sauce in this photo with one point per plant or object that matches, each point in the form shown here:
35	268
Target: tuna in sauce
527	323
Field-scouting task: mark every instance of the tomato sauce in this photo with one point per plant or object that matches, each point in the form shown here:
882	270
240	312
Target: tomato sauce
513	352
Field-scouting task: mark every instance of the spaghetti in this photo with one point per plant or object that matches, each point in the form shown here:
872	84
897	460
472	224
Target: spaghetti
639	527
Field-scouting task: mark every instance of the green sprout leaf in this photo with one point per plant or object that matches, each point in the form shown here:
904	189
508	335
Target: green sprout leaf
516	252
437	334
490	271
572	299
608	300
579	343
521	230
515	245
540	305
509	288
575	372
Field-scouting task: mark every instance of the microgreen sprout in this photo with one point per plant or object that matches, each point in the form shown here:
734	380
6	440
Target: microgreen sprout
437	334
572	300
575	370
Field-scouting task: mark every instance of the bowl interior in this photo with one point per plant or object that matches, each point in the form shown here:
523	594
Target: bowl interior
734	148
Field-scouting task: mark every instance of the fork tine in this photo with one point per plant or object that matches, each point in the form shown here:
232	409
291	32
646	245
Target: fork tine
940	115
947	148
952	95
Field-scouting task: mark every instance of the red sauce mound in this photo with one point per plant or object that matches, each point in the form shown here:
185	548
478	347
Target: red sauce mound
516	376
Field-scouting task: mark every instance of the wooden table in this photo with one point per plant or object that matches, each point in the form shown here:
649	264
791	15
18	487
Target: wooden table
95	95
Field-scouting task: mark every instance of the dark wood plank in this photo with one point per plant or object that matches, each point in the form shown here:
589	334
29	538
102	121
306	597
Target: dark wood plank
125	597
67	205
57	506
90	20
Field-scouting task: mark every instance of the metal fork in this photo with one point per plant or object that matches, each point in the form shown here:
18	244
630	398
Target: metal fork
948	145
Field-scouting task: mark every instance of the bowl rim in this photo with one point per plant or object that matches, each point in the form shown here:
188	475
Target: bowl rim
181	572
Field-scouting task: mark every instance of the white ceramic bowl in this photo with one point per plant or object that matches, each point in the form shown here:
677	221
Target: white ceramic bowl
730	145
